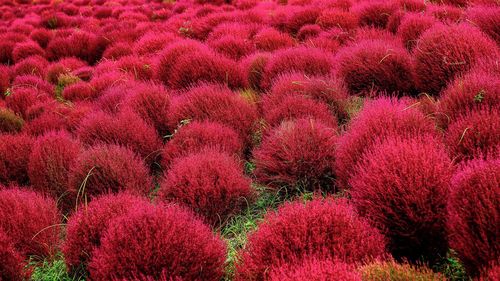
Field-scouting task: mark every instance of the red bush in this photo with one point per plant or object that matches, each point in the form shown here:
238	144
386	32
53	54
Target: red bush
336	18
15	151
443	52
199	135
380	118
214	103
328	90
136	67
34	65
317	229
401	186
297	107
269	39
412	26
63	66
474	213
108	169
21	99
253	69
309	61
152	43
51	157
297	18
297	155
79	91
87	225
186	63
211	183
474	134
232	47
42	36
375	65
11	267
183	247
316	270
126	129
117	51
31	221
152	103
473	91
374	13
32	82
25	50
487	19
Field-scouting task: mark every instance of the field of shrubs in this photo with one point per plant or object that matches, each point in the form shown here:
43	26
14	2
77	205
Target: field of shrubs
246	140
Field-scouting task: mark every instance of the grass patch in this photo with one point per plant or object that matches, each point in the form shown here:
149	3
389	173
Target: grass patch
52	271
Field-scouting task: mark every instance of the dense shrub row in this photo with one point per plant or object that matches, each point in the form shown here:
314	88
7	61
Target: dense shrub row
134	132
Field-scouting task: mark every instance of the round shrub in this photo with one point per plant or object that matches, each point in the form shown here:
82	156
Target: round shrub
306	60
473	91
296	107
11	267
63	67
336	18
51	157
31	221
21	99
412	26
79	91
393	271
152	103
199	135
126	129
445	51
232	47
374	13
401	186
214	103
211	183
328	90
297	18
474	134
9	121
375	65
34	65
15	151
487	19
317	229
26	49
253	68
379	118
316	270
297	155
182	66
87	225
183	247
474	213
269	39
108	169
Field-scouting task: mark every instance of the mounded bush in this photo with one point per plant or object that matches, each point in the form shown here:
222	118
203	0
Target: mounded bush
306	60
15	152
108	169
298	155
316	270
269	39
214	103
25	50
328	90
11	267
475	90
375	65
322	229
401	186
50	160
86	227
183	247
374	13
297	107
31	221
9	121
379	118
474	134
211	183
200	135
474	212
412	26
487	19
393	271
126	129
446	51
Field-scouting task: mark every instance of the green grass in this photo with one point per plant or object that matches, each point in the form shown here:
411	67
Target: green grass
452	268
53	271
